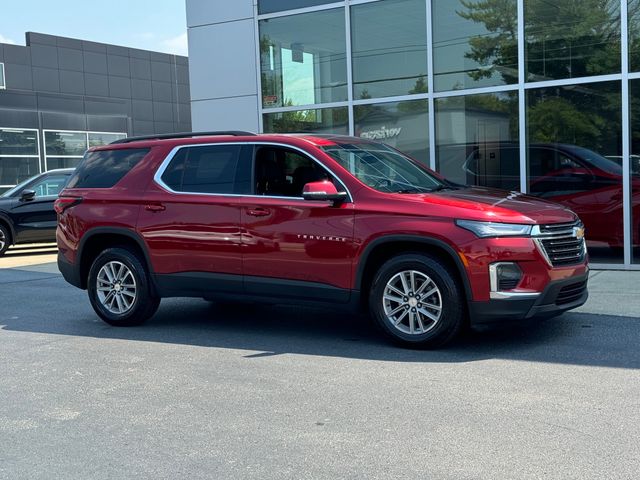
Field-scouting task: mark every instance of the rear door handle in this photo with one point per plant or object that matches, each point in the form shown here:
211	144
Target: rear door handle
258	212
155	208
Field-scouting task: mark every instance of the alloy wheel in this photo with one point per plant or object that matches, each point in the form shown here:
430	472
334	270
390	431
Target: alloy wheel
116	287
412	302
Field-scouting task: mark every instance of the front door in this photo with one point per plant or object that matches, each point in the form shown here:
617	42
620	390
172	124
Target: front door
35	219
294	247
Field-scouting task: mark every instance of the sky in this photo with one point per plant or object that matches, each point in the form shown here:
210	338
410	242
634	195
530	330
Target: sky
148	24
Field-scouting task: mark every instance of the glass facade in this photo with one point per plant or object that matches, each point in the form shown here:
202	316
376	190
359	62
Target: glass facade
65	149
477	139
21	156
303	59
401	125
389	48
525	95
475	44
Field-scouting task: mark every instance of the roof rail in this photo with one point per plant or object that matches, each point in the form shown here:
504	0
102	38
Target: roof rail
163	136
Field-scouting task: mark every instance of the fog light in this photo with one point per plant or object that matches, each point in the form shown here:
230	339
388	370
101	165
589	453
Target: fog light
504	276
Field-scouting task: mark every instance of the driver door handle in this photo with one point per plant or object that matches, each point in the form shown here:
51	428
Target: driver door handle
258	212
155	207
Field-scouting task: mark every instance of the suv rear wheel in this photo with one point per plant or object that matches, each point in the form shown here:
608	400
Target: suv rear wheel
119	288
416	301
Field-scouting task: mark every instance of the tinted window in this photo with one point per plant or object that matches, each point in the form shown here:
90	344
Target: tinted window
105	168
50	185
208	169
284	173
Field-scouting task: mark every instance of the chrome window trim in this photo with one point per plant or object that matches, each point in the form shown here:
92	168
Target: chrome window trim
157	178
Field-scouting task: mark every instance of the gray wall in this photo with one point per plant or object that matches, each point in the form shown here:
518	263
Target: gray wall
224	79
68	84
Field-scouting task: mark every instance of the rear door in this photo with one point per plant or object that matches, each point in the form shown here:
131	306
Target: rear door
191	217
294	247
35	219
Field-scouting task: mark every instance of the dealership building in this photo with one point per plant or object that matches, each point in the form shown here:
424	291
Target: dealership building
526	95
58	96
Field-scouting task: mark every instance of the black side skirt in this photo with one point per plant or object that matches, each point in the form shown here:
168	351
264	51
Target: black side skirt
217	286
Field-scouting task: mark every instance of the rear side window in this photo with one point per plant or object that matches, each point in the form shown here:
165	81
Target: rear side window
105	168
204	169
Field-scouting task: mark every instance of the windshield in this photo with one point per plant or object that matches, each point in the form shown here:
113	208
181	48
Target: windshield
598	161
384	169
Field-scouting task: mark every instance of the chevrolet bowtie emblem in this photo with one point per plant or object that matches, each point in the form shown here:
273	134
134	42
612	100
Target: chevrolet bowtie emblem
578	232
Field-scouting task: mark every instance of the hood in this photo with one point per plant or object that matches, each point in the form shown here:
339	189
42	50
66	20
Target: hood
490	204
6	202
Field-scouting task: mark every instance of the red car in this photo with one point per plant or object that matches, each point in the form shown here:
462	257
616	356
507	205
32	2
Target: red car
308	219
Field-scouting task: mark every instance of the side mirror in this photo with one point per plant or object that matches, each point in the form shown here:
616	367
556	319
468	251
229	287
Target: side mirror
324	191
27	195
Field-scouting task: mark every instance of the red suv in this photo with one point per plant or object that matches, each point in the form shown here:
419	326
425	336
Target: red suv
311	218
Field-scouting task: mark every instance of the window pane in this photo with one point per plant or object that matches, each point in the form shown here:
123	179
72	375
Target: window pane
389	45
66	162
477	139
402	125
98	139
270	6
210	169
303	59
15	170
571	38
65	143
475	44
634	160
571	132
18	142
105	168
326	120
283	172
50	185
633	18
2	82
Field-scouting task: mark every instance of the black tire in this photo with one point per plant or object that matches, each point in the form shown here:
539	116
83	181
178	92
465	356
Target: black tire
451	300
5	239
145	302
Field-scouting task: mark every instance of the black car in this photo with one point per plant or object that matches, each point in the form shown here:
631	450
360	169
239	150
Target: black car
26	210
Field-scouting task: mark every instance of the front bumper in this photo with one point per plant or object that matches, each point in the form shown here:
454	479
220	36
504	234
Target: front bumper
558	297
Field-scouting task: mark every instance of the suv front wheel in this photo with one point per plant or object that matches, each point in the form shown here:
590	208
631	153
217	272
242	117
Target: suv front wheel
416	300
119	288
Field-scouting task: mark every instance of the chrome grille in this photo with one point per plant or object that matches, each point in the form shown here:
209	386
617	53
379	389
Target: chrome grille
559	243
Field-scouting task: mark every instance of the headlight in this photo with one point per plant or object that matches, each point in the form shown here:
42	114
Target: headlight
490	229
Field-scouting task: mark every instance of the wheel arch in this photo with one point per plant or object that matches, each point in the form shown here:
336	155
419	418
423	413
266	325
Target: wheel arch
98	239
382	249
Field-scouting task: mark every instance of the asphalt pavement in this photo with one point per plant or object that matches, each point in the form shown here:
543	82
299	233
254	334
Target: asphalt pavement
207	391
